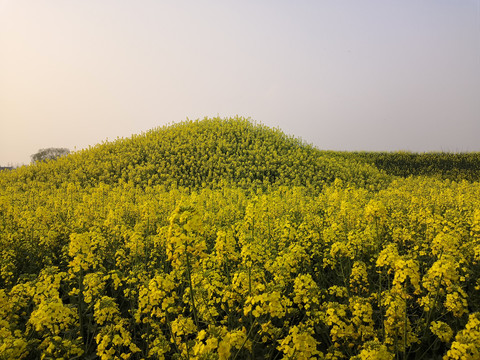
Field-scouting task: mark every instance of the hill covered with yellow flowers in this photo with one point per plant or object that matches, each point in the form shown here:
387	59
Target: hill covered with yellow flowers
204	153
225	239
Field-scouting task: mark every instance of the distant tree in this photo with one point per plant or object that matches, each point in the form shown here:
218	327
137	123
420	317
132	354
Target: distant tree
49	154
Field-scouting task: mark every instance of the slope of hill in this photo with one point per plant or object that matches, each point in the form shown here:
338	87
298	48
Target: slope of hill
203	153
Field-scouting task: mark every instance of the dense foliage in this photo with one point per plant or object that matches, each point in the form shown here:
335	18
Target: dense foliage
156	247
460	166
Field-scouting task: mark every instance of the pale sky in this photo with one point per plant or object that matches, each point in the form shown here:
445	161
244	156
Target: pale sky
343	75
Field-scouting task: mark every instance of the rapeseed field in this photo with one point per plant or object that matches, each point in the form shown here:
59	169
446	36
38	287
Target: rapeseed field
225	239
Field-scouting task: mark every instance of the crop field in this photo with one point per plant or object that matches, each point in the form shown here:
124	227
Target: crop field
225	239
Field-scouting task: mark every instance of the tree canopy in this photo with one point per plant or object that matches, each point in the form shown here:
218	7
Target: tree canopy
49	154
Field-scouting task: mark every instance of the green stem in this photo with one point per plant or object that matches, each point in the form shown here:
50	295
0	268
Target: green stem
190	284
81	310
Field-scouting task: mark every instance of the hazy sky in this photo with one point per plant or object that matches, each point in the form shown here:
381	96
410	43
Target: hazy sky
343	75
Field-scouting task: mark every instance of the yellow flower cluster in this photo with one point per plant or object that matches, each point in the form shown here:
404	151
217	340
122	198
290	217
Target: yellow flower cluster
442	330
114	341
299	344
467	341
